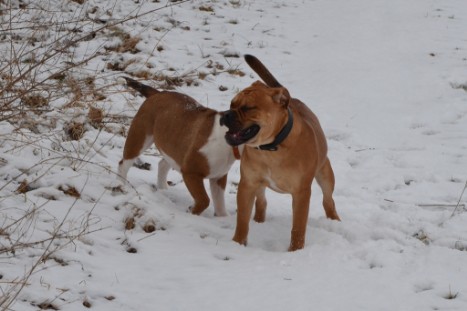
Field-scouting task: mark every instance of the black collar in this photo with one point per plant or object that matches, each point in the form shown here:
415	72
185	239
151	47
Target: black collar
281	136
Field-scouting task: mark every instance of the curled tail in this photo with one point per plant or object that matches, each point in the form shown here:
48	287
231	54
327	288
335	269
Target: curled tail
143	89
262	71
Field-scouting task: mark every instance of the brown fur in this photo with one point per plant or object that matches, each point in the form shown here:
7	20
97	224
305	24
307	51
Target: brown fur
180	127
299	159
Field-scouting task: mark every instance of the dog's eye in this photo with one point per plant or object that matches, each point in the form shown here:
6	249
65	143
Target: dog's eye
247	108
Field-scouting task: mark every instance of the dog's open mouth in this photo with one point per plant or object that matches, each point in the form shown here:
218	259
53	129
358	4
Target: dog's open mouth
236	138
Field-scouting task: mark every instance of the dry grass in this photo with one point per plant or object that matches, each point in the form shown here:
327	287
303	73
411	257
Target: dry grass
17	231
45	95
127	42
52	100
206	8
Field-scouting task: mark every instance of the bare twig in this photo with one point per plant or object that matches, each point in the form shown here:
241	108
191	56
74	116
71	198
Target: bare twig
45	66
459	201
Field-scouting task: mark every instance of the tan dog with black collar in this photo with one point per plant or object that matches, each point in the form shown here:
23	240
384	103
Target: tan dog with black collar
189	137
285	149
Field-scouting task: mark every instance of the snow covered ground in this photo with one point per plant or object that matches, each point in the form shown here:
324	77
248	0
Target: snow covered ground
388	80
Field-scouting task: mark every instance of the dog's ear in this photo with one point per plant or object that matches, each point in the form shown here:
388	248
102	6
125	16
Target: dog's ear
281	95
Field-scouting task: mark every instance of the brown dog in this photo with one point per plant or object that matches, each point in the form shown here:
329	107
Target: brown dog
285	149
189	137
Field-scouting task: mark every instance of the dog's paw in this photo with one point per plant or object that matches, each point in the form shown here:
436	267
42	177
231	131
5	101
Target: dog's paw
194	210
221	213
162	186
240	240
259	217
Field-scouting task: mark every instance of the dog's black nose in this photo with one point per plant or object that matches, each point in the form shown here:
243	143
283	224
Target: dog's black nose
226	117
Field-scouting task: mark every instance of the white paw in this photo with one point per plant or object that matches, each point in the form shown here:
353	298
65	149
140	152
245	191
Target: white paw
221	213
162	186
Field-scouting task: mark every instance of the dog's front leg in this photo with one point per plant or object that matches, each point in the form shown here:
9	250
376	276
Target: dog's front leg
245	201
217	193
300	206
195	186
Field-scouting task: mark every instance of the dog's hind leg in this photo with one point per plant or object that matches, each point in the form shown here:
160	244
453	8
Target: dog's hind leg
326	181
123	167
163	171
217	193
195	186
137	141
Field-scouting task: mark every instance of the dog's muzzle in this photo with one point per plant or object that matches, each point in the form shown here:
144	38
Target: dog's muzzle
227	117
237	135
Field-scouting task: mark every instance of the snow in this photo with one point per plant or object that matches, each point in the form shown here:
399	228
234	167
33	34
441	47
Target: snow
386	79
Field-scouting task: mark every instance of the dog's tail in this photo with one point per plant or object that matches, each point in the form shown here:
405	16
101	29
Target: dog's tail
262	71
143	89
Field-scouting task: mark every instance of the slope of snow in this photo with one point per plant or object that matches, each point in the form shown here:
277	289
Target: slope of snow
386	80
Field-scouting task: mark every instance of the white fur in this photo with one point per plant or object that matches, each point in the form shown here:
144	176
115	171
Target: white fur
217	194
162	172
123	168
147	143
173	164
125	165
220	158
218	153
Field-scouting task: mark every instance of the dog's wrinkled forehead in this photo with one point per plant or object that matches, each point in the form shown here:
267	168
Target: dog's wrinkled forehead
252	95
241	99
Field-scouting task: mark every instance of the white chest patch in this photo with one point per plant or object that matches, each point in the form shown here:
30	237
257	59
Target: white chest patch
218	153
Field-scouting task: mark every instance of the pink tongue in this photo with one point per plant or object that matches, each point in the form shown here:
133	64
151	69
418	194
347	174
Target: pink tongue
234	135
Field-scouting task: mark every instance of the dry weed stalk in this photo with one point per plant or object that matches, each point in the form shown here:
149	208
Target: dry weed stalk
34	72
38	63
18	229
459	201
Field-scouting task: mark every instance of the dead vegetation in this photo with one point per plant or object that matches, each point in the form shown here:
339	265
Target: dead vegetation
40	67
206	8
54	97
127	42
50	96
16	239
